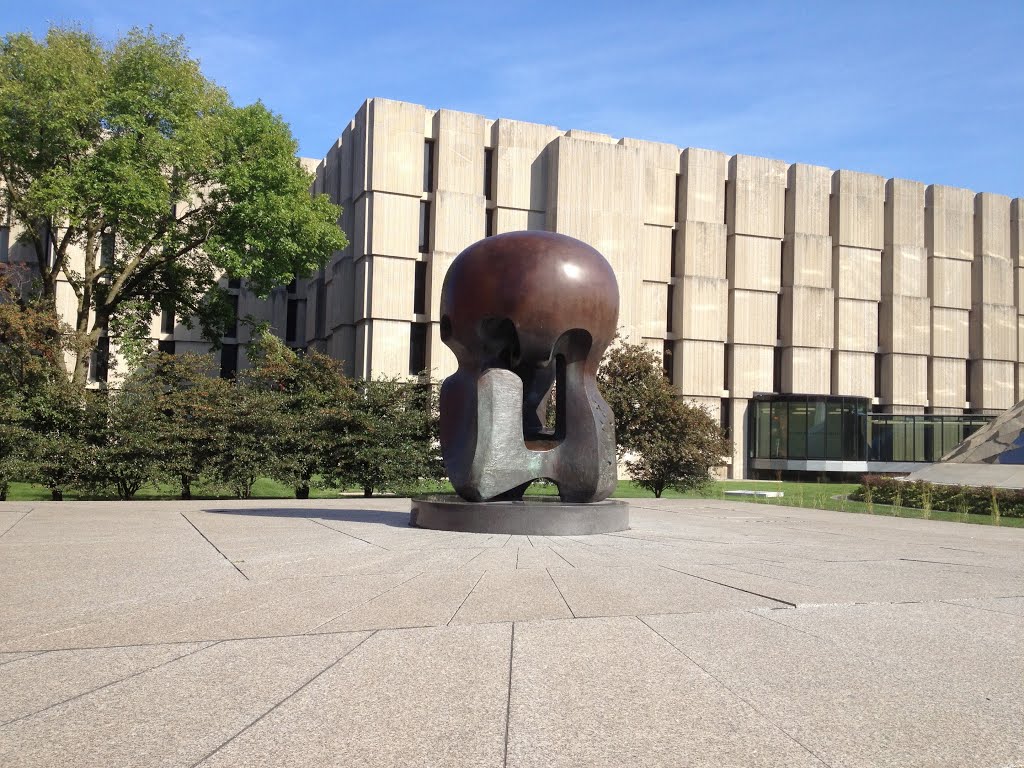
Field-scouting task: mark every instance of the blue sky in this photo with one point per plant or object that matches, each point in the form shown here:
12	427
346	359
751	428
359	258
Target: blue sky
932	91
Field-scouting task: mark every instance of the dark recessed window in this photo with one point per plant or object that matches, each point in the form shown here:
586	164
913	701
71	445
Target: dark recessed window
417	348
165	346
292	286
167	319
878	375
291	320
107	242
229	361
5	242
424	226
667	357
419	292
231	332
968	395
488	172
672	256
101	359
428	165
725	418
669	311
777	370
678	200
235	283
489	223
727	373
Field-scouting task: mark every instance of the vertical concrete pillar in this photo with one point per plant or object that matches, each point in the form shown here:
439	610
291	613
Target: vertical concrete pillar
700	290
807	308
856	223
1017	260
994	319
905	310
949	238
660	169
755	225
596	194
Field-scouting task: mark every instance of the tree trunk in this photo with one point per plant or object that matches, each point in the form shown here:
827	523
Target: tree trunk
56	494
186	487
302	492
657	492
3	491
367	491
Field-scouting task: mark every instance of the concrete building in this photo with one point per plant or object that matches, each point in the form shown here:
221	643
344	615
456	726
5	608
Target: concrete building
783	297
750	276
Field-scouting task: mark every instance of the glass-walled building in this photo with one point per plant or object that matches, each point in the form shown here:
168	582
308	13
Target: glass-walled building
840	435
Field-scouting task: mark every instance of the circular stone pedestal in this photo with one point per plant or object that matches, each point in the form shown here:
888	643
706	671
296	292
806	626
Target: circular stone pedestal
535	516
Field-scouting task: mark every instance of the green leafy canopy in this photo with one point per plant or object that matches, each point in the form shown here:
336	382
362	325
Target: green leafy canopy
147	180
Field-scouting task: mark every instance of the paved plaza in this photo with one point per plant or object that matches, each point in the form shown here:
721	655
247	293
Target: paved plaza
329	633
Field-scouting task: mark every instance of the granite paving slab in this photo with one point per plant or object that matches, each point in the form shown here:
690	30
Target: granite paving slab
633	591
328	632
421	697
847	704
518	595
611	692
38	681
174	714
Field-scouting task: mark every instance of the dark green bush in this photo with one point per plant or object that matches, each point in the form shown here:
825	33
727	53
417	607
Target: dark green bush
963	499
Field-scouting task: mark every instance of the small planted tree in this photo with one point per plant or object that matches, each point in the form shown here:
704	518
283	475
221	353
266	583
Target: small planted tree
190	402
57	453
129	436
316	409
392	442
247	432
669	443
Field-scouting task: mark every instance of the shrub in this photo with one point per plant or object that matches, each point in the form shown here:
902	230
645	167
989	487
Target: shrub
963	499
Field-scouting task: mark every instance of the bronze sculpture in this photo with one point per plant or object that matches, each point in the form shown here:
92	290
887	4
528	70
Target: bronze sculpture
524	311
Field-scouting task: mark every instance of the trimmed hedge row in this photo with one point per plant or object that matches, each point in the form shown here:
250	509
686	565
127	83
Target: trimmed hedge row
976	500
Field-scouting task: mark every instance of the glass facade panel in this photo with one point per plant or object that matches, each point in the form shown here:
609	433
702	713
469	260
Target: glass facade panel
762	435
841	429
798	430
816	428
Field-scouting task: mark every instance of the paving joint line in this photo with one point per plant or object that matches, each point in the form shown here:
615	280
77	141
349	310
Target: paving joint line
10	528
288	697
729	567
978	607
472	589
360	605
345	533
559	590
28	655
214	546
210	644
730	586
508	701
761	714
561	556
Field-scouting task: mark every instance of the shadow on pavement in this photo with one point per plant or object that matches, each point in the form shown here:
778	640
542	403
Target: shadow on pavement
379	516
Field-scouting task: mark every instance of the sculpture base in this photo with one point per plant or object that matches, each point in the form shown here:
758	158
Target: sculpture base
534	516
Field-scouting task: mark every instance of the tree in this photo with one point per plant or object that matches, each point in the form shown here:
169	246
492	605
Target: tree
247	430
128	435
190	402
393	442
316	402
138	182
58	423
671	443
37	408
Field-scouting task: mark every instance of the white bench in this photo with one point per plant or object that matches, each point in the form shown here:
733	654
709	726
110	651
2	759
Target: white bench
758	494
